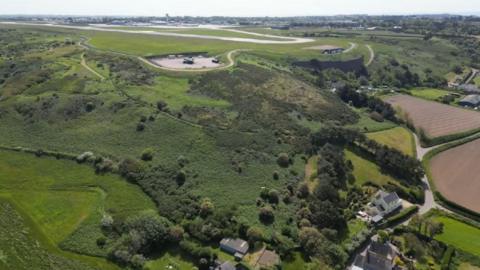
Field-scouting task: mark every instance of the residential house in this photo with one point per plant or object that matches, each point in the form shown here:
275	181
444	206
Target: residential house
236	247
378	256
383	204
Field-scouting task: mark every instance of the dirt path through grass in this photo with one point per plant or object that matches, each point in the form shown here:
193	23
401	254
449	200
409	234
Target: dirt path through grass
85	65
372	55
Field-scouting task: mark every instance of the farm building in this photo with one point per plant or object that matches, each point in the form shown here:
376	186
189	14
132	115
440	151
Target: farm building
378	256
236	247
470	101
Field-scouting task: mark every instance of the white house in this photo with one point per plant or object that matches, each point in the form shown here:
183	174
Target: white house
386	203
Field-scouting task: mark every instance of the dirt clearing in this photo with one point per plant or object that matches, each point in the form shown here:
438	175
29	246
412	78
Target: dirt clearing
434	118
456	174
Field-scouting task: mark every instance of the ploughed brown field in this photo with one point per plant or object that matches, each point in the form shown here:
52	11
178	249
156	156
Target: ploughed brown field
456	174
434	118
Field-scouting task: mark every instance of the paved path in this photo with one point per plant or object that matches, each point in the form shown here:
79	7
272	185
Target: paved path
372	55
230	63
85	65
280	39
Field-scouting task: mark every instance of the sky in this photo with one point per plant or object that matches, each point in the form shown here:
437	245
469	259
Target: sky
237	7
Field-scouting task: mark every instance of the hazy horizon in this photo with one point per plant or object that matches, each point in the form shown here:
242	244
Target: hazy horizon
237	8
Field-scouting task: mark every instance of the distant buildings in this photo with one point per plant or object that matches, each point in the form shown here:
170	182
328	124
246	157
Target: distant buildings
236	247
378	256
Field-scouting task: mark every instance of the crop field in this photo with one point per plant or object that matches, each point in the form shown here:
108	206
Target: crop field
399	138
435	119
460	235
455	173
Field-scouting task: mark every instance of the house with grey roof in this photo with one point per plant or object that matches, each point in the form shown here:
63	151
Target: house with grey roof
470	101
236	247
378	256
383	204
386	202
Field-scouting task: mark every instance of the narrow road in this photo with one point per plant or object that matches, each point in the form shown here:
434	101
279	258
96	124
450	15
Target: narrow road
85	65
372	55
283	39
429	198
230	59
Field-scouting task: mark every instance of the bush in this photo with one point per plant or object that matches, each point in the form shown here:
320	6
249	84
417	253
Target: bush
89	106
266	214
147	154
255	234
181	177
276	175
101	241
140	126
283	160
161	105
273	196
447	257
377	117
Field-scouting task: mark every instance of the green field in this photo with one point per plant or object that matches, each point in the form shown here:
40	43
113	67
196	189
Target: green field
367	124
23	246
65	200
367	171
399	138
460	235
429	93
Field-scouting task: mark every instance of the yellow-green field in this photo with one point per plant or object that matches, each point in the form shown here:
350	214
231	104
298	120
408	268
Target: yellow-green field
429	93
367	171
460	235
399	138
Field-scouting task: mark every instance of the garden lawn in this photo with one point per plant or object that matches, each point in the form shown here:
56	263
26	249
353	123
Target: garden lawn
399	138
460	235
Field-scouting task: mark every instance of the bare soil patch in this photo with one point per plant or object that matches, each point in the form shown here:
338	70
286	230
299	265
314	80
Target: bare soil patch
434	118
456	174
